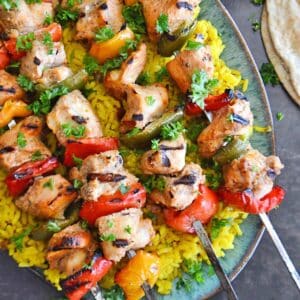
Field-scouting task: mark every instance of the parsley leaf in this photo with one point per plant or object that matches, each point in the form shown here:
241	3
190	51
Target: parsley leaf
258	2
193	45
279	116
161	74
90	64
37	155
77	161
201	87
194	269
47	41
144	79
52	226
134	17
124	189
103	34
84	224
77	183
217	225
49	184
110	223
162	24
268	74
150	100
128	229
153	182
108	237
115	293
19	239
256	25
63	16
24	42
75	131
21	141
25	83
8	4
184	283
172	130
48	20
155	144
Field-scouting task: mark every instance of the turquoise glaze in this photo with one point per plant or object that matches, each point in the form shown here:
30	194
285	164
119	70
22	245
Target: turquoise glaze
237	56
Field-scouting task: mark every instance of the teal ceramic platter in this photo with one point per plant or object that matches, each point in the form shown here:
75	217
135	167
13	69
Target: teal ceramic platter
237	56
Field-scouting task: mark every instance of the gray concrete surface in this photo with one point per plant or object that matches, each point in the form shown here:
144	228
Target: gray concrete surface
265	277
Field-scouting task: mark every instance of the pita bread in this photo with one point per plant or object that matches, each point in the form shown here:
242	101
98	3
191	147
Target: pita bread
278	63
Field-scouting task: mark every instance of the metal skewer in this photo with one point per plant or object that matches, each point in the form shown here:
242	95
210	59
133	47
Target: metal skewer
225	281
278	244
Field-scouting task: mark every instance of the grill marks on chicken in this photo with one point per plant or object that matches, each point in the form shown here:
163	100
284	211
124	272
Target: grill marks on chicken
12	152
103	174
168	159
127	230
48	197
116	82
225	123
9	88
252	171
73	109
186	62
180	189
70	249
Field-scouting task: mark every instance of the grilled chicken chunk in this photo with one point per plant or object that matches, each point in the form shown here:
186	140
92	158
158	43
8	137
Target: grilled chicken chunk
103	174
183	66
180	191
24	18
253	171
55	75
180	14
18	144
168	159
235	119
127	231
73	110
9	88
116	81
70	249
48	197
38	59
144	104
95	14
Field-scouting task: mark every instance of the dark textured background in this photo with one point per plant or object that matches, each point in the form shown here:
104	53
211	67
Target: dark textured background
265	277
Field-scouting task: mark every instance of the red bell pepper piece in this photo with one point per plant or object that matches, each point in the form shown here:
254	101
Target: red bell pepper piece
247	203
4	58
78	284
202	209
211	103
108	204
55	31
20	178
85	147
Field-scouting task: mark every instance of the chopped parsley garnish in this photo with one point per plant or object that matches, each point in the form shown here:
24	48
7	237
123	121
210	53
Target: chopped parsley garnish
134	17
49	184
90	64
37	155
191	148
124	189
71	3
193	45
110	223
150	100
103	34
161	74
48	20
25	83
63	16
172	130
18	240
201	87
52	226
21	141
128	229
43	104
268	74
150	215
184	283
84	224
24	42
155	144
47	41
134	131
77	183
194	128
279	116
108	237
194	269
258	2
8	4
77	161
162	24
33	1
217	225
213	173
75	131
153	182
144	79
256	25
115	293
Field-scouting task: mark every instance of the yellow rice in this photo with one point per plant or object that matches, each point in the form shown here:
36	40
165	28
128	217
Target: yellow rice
172	247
